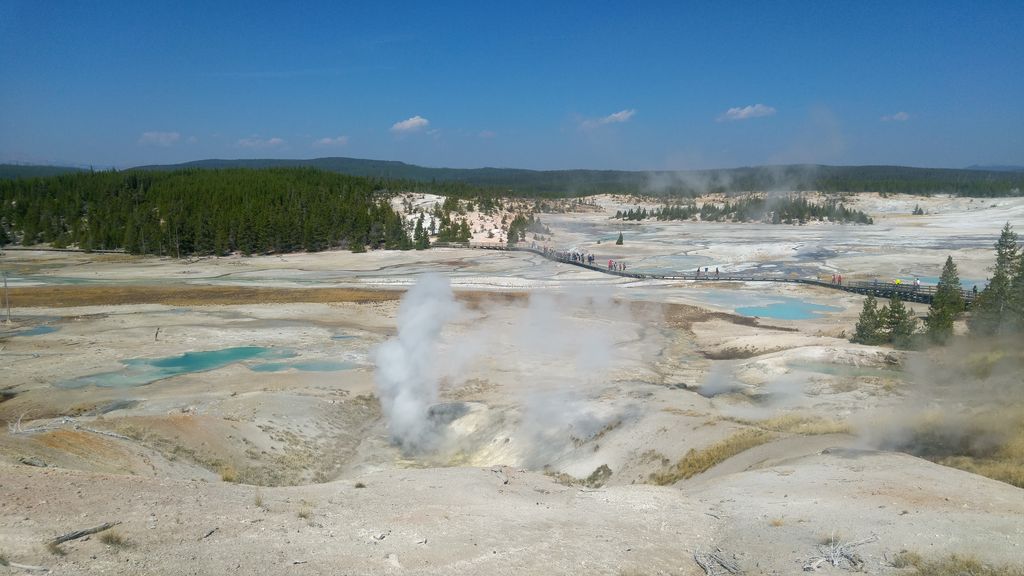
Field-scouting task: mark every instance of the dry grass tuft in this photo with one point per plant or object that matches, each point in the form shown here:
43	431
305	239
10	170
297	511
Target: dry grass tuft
803	425
952	565
697	461
360	485
777	522
305	510
228	473
906	559
55	549
113	539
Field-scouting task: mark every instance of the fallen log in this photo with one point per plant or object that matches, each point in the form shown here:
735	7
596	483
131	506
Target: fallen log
80	533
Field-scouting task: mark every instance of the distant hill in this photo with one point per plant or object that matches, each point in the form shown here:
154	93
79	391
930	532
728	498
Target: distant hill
997	168
885	179
12	171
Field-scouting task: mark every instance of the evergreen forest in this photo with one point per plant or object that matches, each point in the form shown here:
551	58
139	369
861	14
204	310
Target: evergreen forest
192	212
791	209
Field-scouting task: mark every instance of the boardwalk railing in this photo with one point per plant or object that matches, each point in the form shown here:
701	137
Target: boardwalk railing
907	292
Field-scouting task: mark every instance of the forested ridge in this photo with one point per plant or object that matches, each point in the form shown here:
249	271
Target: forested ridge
195	211
568	183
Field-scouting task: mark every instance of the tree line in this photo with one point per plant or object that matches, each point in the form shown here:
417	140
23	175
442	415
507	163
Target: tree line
790	209
195	211
688	183
997	310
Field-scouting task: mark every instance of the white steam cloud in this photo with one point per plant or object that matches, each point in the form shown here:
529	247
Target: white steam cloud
406	376
414	124
746	112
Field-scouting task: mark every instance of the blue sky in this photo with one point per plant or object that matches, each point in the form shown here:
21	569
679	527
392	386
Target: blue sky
647	85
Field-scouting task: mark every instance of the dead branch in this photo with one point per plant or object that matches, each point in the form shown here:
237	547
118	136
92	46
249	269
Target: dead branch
28	567
715	564
18	428
839	554
80	533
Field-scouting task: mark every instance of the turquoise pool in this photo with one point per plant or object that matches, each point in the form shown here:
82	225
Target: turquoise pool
141	371
304	366
789	309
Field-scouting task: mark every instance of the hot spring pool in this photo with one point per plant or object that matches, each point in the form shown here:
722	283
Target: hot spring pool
788	309
141	371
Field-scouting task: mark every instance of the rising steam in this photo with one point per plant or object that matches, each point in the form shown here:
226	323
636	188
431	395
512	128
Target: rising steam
406	376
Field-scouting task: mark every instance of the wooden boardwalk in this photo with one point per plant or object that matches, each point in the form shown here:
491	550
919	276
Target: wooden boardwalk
906	292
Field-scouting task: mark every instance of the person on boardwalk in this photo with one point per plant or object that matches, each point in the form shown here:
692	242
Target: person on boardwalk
697	276
833	278
839	279
610	262
917	284
716	272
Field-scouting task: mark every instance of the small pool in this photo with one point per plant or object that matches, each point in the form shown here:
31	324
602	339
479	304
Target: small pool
789	309
965	283
141	371
37	331
747	303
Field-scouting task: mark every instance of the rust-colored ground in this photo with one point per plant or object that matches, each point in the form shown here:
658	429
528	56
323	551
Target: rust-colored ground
186	295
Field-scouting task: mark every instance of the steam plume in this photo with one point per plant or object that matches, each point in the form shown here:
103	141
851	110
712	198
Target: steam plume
406	376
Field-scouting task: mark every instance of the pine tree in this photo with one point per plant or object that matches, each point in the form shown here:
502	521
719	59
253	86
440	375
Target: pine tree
990	313
619	241
898	324
947	304
868	324
1016	297
420	235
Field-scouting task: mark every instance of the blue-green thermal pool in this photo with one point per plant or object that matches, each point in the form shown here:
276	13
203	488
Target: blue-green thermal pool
37	331
788	309
304	366
141	371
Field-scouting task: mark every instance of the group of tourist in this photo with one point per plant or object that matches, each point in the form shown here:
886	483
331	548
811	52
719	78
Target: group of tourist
707	273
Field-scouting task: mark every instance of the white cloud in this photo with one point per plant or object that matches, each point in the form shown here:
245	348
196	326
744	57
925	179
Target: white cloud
260	142
746	112
159	138
897	117
327	142
616	118
410	125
